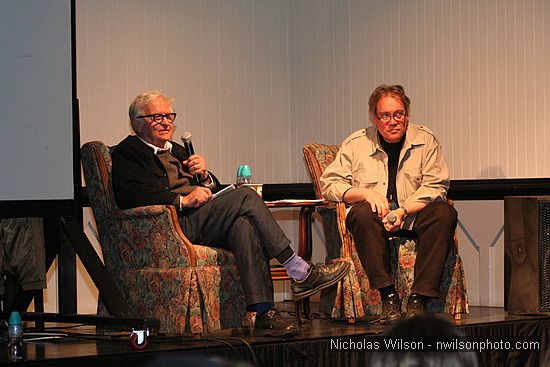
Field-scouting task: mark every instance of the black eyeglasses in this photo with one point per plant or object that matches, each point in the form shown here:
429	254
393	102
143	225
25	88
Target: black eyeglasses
159	117
398	116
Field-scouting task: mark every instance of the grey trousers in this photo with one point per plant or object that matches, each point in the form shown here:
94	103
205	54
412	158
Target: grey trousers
435	226
239	221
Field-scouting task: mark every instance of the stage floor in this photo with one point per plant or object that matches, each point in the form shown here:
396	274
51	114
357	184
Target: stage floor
314	346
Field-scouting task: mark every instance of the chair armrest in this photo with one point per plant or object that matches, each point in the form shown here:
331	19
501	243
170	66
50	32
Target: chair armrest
156	230
344	234
142	211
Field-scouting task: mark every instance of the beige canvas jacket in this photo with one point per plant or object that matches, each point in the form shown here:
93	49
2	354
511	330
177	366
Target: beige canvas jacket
422	174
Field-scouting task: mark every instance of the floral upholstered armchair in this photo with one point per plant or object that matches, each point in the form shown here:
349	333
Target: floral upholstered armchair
353	298
160	273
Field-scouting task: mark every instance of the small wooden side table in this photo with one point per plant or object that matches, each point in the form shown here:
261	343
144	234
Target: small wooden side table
305	244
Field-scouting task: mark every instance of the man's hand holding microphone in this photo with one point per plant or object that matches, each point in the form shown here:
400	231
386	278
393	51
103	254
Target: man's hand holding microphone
196	165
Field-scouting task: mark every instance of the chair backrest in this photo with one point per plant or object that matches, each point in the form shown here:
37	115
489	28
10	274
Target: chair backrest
318	157
97	165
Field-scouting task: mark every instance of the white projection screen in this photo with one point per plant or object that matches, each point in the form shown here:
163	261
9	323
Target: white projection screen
36	110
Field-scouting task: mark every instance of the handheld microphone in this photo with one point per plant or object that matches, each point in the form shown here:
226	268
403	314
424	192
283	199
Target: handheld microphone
391	218
186	140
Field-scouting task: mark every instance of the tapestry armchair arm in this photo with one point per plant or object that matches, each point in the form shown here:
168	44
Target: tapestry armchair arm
345	236
157	239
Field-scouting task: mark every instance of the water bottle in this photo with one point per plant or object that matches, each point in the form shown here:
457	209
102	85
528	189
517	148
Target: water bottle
15	337
244	175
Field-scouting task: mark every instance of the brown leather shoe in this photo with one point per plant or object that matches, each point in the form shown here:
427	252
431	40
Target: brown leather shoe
391	309
416	305
272	323
319	277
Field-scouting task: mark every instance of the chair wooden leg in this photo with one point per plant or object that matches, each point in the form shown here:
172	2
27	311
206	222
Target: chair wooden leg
302	311
298	312
307	311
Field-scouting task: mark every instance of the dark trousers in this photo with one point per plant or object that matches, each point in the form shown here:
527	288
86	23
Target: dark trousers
435	227
22	252
239	221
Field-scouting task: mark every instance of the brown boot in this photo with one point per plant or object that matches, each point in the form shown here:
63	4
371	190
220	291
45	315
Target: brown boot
391	309
319	277
416	305
272	323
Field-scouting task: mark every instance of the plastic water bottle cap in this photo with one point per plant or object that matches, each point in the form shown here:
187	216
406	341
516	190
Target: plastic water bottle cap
246	171
15	318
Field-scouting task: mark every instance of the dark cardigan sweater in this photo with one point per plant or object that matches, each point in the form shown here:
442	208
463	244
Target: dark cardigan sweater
139	177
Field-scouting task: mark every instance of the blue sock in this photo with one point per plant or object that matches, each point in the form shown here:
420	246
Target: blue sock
259	308
296	267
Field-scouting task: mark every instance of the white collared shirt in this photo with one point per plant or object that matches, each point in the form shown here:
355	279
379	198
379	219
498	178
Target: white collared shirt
167	146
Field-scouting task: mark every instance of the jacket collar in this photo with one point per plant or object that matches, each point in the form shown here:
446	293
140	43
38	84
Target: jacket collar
413	138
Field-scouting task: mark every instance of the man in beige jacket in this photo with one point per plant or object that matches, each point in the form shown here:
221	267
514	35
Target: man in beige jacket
394	176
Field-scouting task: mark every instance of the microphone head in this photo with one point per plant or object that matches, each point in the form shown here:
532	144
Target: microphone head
391	218
186	137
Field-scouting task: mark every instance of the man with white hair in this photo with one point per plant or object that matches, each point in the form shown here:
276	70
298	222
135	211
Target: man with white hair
149	168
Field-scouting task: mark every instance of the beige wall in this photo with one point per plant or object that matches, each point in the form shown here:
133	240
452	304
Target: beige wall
225	62
255	80
476	71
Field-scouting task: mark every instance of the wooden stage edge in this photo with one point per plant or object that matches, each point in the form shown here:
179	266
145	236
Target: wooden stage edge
314	346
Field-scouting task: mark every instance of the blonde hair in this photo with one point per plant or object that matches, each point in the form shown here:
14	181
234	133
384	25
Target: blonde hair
396	91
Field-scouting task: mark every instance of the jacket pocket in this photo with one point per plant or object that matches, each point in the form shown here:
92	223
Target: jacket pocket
365	179
413	180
